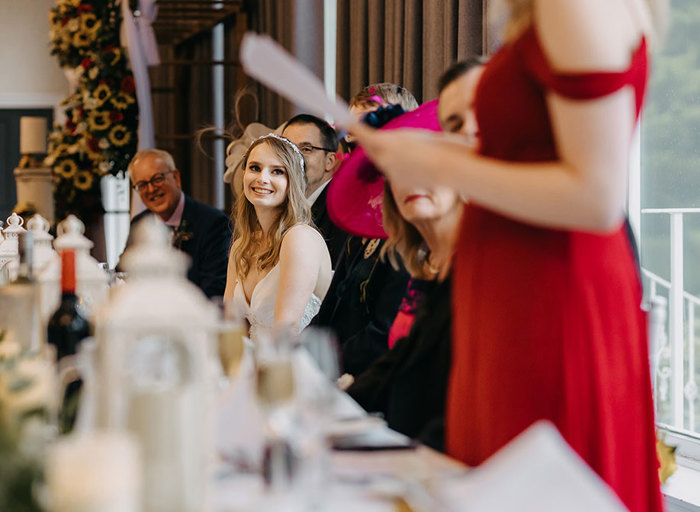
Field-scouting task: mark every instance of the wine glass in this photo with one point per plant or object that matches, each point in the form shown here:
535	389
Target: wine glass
230	339
275	392
231	344
275	385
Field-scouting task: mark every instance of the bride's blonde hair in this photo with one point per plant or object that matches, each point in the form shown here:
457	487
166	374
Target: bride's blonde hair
518	14
247	232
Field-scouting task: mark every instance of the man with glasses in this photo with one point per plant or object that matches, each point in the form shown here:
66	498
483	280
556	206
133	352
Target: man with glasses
199	230
318	143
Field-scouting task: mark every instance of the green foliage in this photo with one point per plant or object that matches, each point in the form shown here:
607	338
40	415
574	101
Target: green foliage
671	143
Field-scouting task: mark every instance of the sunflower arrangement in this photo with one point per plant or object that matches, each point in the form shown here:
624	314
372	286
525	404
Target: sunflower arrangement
77	26
99	134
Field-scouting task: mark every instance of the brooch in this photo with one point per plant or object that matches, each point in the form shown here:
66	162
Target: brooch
371	247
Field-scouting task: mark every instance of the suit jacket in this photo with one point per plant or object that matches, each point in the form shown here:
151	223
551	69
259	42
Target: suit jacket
332	234
408	384
361	304
205	235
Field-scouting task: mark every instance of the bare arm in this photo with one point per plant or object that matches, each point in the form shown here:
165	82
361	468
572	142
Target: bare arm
300	264
231	278
584	189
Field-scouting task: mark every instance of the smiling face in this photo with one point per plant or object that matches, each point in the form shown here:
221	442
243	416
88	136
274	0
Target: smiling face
265	180
421	205
162	199
456	105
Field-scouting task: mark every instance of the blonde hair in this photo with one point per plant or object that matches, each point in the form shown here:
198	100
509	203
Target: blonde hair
392	94
404	244
294	210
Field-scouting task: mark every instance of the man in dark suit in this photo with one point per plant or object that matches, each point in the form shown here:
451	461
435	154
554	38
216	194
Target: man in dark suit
318	143
199	230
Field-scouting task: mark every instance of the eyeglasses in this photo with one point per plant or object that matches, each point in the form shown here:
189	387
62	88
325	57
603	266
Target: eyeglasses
307	149
156	181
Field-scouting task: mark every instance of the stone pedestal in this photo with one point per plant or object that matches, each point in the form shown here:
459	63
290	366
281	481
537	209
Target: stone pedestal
35	189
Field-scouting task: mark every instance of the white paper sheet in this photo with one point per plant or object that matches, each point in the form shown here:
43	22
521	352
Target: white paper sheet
536	472
267	62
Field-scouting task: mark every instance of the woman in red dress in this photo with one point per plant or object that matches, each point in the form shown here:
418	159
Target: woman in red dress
546	297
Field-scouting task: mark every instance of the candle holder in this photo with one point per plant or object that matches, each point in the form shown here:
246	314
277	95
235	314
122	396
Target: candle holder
34	181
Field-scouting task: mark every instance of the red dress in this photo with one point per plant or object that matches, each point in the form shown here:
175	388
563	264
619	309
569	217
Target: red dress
547	323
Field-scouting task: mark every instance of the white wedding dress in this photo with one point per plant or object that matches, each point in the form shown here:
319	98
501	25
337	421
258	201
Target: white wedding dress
260	313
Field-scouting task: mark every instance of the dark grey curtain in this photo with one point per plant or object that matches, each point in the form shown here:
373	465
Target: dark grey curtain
407	42
298	27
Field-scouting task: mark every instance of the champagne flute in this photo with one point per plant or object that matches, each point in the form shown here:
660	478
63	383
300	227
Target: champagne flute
274	368
230	339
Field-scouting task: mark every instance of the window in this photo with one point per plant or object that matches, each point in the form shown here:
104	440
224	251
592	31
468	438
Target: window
667	207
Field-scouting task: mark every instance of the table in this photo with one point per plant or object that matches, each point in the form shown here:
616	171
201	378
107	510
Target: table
367	481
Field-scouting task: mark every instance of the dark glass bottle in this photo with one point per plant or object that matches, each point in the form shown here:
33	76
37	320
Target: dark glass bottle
67	327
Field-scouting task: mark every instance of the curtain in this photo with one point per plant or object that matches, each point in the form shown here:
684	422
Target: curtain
407	42
277	20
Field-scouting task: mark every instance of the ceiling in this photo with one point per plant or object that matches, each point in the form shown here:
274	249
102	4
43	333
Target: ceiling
179	20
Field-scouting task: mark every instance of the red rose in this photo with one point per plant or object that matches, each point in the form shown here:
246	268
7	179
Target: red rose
84	8
65	20
70	126
128	85
86	63
108	48
94	145
115	116
81	112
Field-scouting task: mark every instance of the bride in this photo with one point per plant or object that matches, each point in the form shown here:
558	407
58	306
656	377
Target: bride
279	268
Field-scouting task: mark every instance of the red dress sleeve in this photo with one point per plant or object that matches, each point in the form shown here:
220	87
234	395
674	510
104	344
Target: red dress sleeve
584	86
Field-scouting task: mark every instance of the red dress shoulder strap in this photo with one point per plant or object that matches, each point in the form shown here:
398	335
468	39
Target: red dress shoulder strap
587	85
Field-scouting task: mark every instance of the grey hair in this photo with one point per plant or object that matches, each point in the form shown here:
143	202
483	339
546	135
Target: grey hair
159	153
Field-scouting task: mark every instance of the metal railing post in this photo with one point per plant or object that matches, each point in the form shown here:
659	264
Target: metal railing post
690	390
676	318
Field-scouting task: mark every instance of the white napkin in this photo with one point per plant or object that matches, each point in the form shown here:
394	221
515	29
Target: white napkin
537	471
240	423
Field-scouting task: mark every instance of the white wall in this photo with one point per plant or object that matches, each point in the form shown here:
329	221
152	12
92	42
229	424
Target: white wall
29	75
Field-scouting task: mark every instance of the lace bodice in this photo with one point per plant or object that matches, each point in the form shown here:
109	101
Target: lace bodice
260	313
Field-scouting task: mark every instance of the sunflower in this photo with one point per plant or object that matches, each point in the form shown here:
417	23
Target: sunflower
66	169
122	100
61	149
116	55
119	135
81	39
90	23
83	180
101	93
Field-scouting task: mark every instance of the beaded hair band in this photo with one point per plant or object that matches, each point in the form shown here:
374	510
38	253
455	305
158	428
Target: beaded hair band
289	143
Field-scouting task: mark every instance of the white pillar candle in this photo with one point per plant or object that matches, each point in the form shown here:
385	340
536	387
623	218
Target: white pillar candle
95	472
32	135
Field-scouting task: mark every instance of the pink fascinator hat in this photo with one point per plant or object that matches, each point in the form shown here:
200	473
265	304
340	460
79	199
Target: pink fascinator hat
355	193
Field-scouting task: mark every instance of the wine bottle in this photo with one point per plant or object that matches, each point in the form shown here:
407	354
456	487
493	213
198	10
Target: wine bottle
67	327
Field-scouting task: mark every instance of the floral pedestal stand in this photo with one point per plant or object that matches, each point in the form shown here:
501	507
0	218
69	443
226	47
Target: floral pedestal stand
35	191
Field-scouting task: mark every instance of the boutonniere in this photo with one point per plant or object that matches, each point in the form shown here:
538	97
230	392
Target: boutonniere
181	235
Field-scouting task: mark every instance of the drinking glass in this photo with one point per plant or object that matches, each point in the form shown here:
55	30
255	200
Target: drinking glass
231	344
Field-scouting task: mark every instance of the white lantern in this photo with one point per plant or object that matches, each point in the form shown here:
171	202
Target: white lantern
9	246
43	248
153	369
91	285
